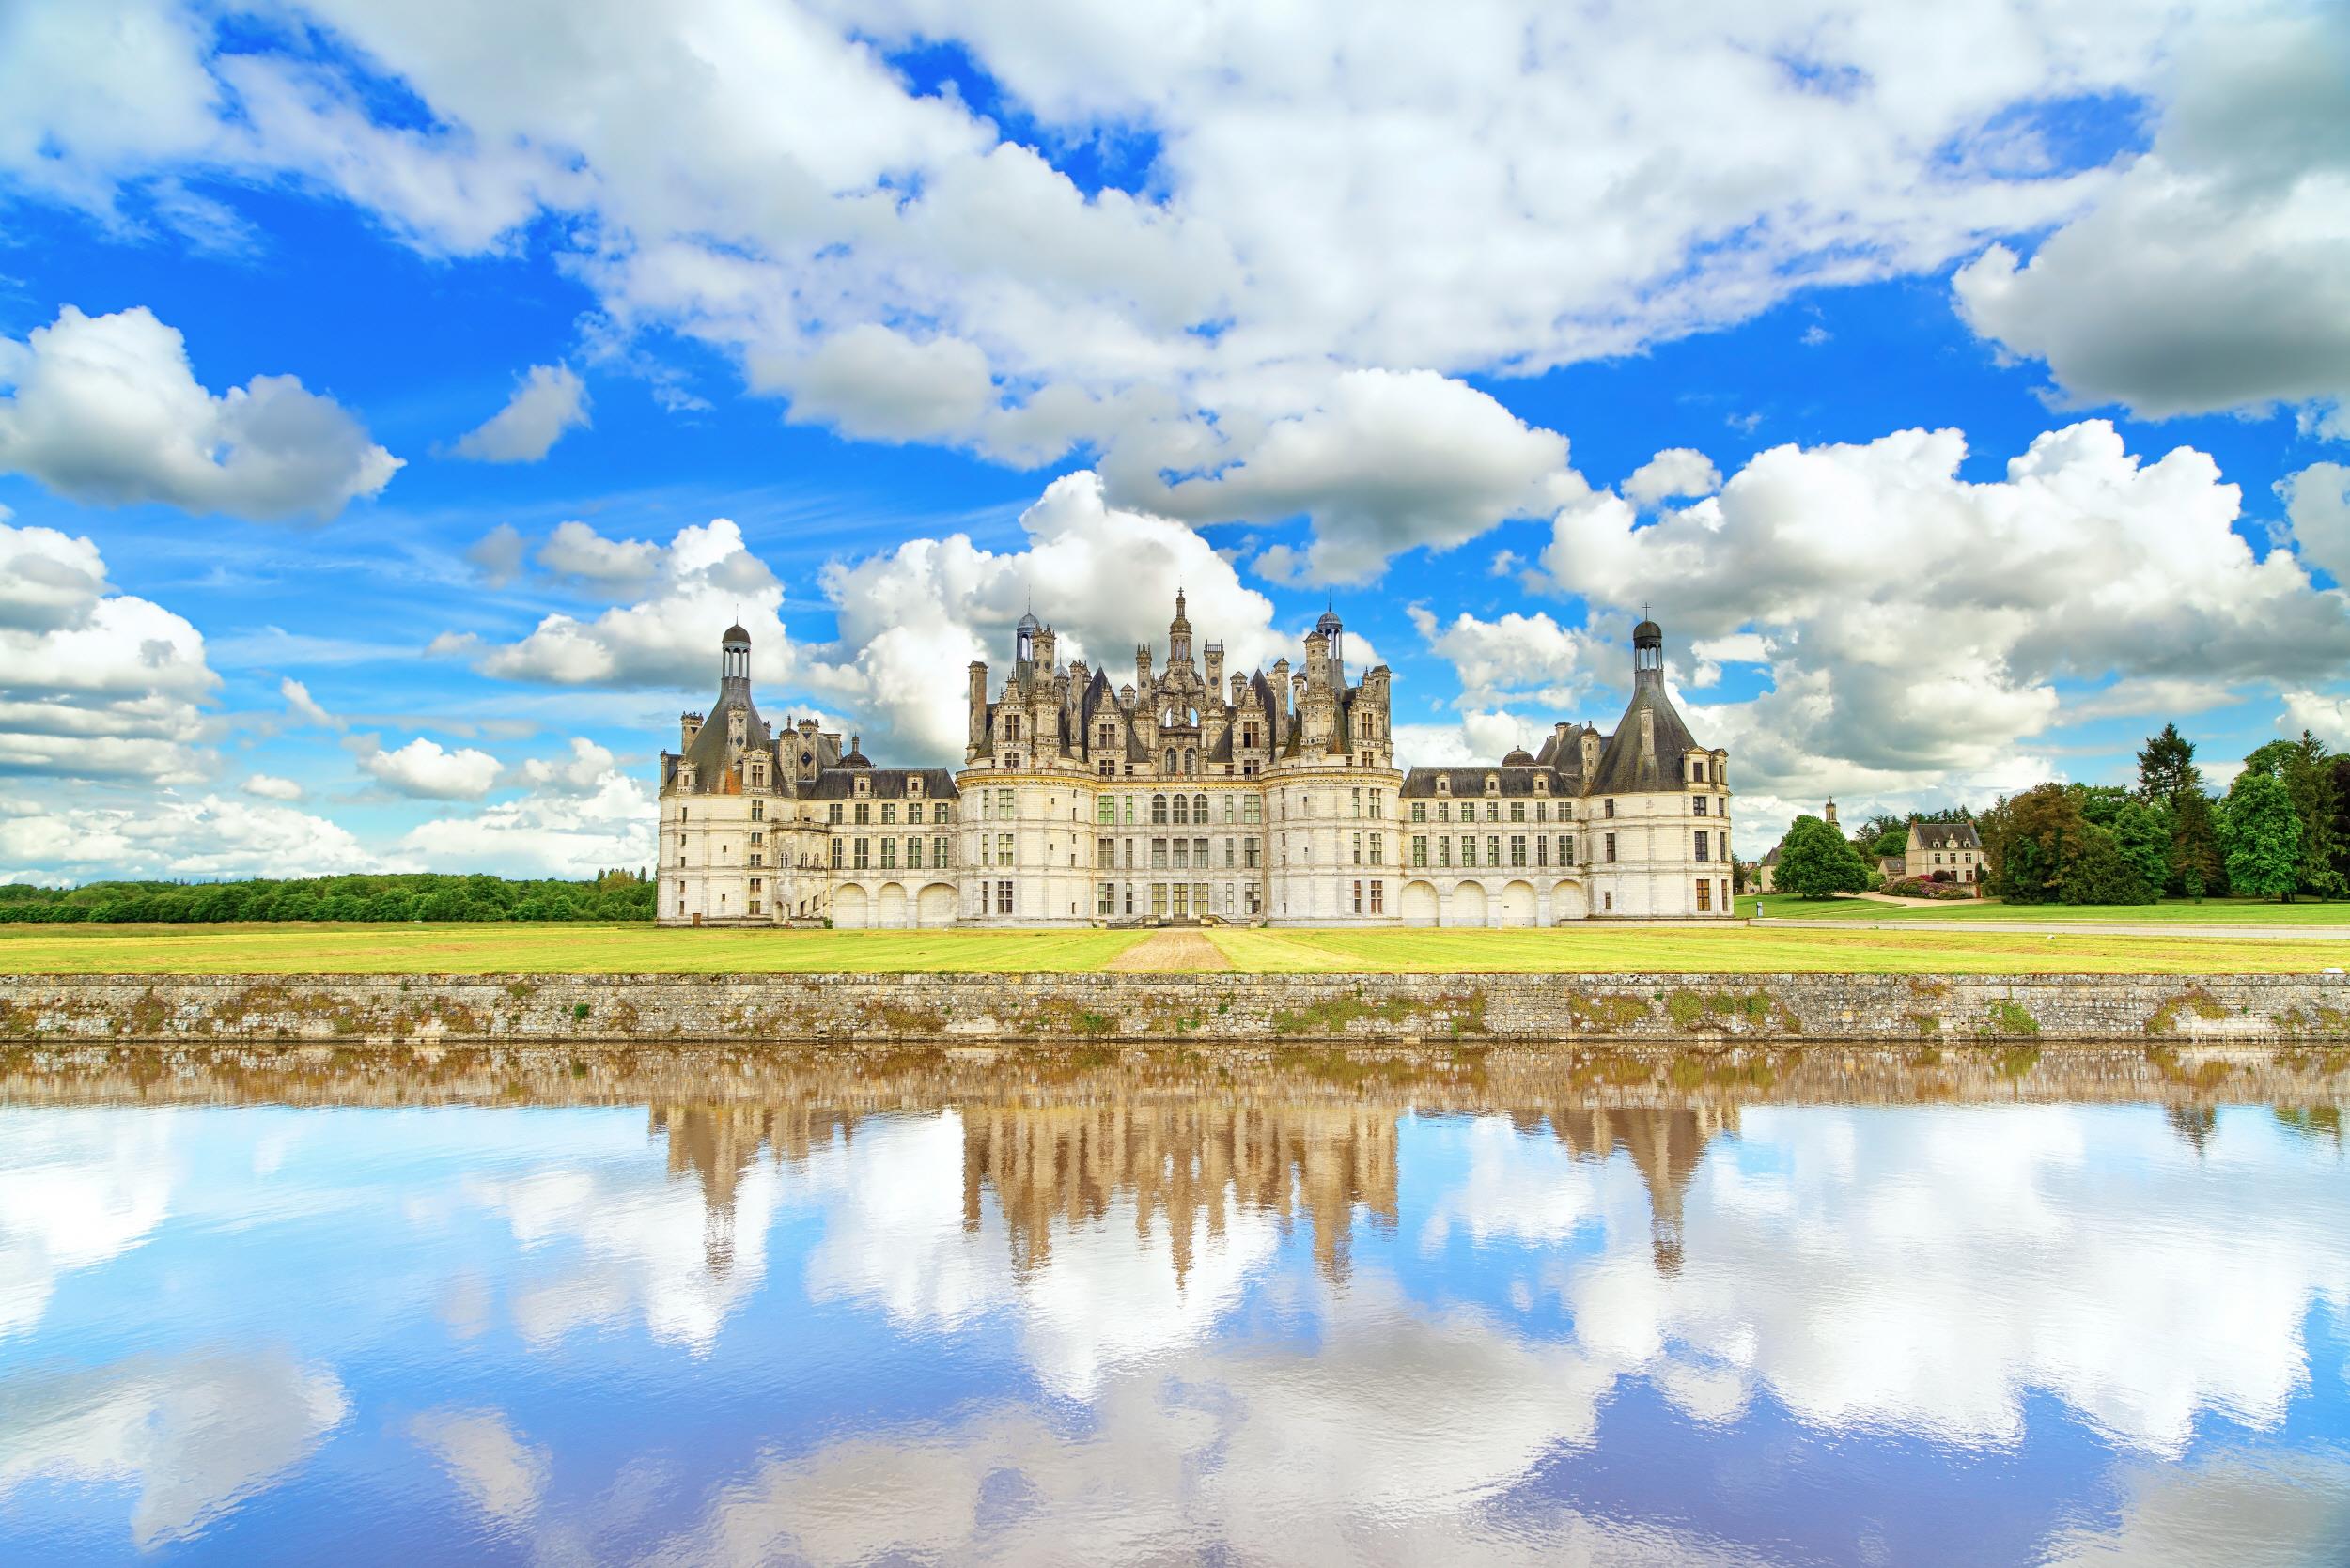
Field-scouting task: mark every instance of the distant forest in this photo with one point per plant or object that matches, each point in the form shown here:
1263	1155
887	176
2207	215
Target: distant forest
387	897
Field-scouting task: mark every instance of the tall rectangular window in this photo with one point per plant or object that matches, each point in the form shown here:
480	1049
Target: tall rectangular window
1003	805
1357	896
1106	899
1378	803
865	812
1378	853
889	854
839	850
1469	850
1003	850
1702	847
889	813
1252	852
1379	897
1419	850
1493	849
1357	848
1357	793
1517	849
1419	810
1444	852
937	854
1611	850
865	853
1106	811
1004	898
1704	897
1105	852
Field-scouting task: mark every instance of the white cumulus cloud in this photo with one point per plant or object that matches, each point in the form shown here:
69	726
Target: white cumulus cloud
107	409
548	400
423	770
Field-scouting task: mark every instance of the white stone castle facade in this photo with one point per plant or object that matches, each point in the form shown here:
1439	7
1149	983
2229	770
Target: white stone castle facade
1189	794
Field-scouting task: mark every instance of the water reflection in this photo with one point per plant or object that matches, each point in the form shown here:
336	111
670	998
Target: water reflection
715	1306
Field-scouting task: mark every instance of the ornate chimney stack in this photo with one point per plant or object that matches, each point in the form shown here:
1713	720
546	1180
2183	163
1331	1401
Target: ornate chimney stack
976	741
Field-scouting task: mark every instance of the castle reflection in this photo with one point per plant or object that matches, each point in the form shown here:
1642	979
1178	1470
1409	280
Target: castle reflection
1183	1166
1179	1142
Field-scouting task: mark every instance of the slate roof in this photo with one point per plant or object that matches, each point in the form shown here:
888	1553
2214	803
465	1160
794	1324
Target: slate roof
887	784
1624	768
1947	836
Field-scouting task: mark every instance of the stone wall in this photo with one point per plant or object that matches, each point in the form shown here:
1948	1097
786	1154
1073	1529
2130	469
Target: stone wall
1221	1008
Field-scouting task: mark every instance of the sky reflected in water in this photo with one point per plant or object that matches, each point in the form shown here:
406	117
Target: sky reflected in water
958	1310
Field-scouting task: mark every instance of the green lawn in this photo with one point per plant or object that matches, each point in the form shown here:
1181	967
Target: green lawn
570	948
639	949
1765	950
2170	912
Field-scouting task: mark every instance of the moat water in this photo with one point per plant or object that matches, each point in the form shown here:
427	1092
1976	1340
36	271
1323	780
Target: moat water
1865	1309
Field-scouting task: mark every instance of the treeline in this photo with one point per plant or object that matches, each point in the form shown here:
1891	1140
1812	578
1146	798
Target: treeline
387	897
2280	831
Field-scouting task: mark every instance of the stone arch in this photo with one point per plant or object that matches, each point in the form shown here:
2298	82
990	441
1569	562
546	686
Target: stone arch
1517	904
1419	905
936	904
890	907
1568	903
1467	905
849	907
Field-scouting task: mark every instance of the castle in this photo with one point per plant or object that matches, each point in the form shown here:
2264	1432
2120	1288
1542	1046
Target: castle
1187	793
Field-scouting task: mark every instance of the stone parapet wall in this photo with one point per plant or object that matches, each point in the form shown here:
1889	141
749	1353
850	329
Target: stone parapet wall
1217	1008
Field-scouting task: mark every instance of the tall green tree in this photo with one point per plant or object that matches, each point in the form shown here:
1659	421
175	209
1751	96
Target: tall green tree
2198	865
2166	767
1815	862
2261	835
2141	831
1881	834
2305	768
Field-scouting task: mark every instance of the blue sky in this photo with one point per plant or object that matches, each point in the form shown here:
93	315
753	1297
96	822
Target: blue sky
372	385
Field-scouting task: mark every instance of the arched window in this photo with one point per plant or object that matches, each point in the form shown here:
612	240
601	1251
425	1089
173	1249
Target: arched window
1171	762
1159	810
1199	808
1183	811
1191	762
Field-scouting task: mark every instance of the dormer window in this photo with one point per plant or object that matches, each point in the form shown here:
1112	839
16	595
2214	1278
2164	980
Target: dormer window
913	785
1443	784
1493	784
865	786
1542	784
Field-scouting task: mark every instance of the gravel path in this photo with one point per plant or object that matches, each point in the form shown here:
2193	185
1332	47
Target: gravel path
1175	951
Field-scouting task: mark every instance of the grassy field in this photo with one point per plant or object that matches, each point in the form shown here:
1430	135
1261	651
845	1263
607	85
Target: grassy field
1765	950
638	949
569	948
2170	912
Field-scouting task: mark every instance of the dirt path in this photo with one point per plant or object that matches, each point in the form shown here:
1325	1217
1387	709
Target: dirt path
1169	952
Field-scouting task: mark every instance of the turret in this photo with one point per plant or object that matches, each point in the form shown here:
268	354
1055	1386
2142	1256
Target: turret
1333	637
1648	654
1179	635
1142	665
1025	642
689	725
1214	655
734	664
1047	646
